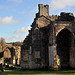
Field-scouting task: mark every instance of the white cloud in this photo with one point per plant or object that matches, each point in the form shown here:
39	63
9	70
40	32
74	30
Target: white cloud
17	1
8	20
58	4
14	38
22	30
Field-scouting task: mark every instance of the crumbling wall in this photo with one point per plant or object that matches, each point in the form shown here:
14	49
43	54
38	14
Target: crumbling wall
39	49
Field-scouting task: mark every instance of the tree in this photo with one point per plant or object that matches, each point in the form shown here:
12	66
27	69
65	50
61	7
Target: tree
2	41
2	44
17	43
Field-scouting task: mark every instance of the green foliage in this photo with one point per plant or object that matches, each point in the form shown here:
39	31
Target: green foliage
1	58
1	51
17	43
2	41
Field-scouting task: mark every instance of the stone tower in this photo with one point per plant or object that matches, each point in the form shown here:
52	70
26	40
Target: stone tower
43	10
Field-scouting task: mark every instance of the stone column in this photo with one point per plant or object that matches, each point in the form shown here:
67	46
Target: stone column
51	57
52	49
72	54
14	59
30	58
55	58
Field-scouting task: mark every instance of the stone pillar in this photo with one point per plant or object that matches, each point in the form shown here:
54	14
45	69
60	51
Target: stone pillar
18	61
72	55
53	49
30	58
14	59
55	58
51	57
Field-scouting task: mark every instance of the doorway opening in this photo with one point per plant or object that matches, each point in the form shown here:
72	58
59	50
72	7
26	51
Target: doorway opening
64	40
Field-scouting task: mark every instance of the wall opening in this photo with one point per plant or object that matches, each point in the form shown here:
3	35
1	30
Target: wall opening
7	55
64	40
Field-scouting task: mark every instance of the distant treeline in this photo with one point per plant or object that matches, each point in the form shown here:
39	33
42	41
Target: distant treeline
17	43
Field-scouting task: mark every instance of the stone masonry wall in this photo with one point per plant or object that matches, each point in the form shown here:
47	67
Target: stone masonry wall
39	49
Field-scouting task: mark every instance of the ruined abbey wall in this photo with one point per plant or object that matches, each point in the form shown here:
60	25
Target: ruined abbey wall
42	45
10	54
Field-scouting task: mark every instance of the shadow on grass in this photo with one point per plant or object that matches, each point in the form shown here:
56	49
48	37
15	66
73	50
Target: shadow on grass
26	72
17	71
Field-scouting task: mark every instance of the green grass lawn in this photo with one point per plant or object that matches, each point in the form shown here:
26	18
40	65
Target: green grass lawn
32	72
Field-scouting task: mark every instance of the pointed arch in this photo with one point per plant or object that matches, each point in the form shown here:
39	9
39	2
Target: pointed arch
64	40
68	28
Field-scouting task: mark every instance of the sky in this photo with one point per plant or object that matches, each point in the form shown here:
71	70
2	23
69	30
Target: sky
16	16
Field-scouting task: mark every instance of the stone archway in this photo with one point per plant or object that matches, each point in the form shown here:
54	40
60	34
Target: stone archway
64	41
7	55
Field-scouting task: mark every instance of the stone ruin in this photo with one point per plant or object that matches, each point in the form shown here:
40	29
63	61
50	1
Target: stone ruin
14	54
1	55
49	38
17	54
11	54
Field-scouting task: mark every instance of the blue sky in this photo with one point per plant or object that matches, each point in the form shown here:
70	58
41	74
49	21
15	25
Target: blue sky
16	16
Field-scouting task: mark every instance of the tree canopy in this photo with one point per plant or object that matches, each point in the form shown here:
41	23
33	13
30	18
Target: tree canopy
17	43
2	41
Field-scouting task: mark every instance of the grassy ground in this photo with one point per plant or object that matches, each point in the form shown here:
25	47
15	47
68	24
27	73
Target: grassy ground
27	72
